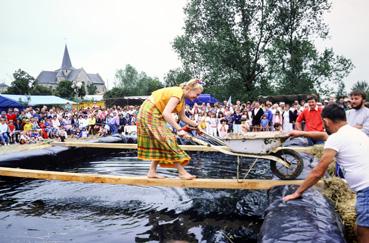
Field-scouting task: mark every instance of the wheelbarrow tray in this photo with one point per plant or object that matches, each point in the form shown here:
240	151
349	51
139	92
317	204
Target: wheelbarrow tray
255	142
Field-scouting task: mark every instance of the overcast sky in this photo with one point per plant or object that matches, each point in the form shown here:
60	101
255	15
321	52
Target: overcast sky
103	36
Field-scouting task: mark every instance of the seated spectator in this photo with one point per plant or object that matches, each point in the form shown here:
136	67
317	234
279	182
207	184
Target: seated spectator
62	134
4	137
245	127
24	138
27	126
277	127
223	128
11	129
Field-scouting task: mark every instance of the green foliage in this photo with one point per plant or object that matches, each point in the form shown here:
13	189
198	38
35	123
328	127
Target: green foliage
363	86
114	93
130	82
40	90
341	91
248	48
176	77
294	63
65	89
91	89
79	91
22	83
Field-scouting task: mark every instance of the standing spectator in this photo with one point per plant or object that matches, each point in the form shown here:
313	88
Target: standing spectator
264	123
114	123
313	120
237	121
3	115
4	138
277	119
256	115
358	116
287	124
11	115
269	113
212	126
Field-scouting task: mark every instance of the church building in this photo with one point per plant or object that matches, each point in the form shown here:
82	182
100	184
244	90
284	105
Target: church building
68	72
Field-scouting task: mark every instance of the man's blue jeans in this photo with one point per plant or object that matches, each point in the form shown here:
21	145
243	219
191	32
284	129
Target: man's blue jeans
4	138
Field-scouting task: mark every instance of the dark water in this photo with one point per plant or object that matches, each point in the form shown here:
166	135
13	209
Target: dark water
53	211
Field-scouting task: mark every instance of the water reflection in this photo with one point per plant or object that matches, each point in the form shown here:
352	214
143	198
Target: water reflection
38	210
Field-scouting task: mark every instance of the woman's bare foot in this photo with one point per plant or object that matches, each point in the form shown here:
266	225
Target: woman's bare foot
154	175
182	173
186	176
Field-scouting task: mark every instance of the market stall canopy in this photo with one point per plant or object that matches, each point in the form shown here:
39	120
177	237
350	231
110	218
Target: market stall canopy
203	98
6	103
34	100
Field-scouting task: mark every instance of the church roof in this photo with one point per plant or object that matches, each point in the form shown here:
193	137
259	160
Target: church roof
95	78
47	77
74	74
52	77
66	63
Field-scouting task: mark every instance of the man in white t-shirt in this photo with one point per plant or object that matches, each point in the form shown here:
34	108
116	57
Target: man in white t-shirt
358	116
350	146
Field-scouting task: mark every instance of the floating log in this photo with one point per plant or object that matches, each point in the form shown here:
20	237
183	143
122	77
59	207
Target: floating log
201	148
144	181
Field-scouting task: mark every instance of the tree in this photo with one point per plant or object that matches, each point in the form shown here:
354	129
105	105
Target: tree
225	41
79	89
114	93
294	63
131	82
91	89
176	77
127	78
65	89
363	86
341	91
40	90
247	48
22	83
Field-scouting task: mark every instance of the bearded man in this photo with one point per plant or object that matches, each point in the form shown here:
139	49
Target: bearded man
358	115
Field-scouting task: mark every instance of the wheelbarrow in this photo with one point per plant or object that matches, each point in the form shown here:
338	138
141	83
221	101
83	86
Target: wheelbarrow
285	163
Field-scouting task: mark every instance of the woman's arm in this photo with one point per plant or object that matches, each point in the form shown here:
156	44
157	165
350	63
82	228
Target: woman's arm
168	112
183	117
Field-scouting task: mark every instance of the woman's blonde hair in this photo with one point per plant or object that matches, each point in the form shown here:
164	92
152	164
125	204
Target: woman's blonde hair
192	84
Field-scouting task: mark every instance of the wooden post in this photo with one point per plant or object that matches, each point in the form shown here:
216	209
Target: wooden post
144	181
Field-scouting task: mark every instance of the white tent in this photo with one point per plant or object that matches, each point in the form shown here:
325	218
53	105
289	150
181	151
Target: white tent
34	100
93	97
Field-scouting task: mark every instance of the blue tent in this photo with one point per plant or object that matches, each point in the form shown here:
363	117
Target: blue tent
203	98
6	103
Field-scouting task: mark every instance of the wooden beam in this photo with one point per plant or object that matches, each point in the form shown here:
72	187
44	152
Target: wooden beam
199	148
316	149
144	181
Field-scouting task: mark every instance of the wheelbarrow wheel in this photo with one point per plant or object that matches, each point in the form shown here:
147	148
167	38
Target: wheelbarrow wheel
293	159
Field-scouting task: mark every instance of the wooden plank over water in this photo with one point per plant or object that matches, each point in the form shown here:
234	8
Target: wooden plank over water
317	149
252	184
199	148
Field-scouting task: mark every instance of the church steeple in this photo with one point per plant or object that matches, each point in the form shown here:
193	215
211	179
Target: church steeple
66	64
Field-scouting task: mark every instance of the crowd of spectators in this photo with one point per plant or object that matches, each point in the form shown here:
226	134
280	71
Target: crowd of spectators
35	124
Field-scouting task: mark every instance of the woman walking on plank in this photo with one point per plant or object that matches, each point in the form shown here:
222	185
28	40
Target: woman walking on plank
155	141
